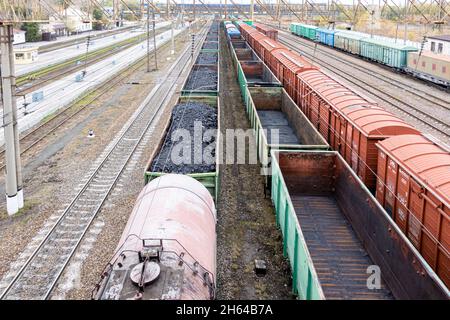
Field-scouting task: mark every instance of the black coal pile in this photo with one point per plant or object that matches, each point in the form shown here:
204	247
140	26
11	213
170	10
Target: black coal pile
214	27
210	45
202	78
207	58
184	117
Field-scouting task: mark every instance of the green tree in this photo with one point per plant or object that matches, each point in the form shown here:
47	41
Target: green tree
32	31
97	14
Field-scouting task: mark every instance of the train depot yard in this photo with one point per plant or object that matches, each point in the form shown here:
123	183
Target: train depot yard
219	152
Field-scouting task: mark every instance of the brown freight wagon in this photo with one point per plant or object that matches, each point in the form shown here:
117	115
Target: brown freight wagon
350	122
286	65
414	187
264	47
268	31
246	30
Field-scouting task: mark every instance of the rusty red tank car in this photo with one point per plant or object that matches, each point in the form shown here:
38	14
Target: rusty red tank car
168	248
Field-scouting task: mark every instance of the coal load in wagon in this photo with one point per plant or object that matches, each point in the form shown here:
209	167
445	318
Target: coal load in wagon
207	58
202	78
184	117
210	45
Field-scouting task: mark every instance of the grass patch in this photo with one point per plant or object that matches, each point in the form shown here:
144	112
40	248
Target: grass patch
27	206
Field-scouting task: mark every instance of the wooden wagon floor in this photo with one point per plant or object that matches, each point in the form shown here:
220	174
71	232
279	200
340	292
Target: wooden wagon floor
273	119
338	256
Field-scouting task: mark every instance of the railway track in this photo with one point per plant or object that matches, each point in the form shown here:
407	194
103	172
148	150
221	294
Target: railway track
436	123
37	278
60	45
414	90
29	140
65	67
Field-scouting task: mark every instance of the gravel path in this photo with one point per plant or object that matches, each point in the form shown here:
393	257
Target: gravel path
246	227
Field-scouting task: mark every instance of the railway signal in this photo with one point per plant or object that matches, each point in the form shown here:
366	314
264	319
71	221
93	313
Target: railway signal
192	45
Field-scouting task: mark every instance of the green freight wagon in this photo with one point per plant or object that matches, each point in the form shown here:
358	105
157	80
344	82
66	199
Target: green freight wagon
391	54
279	124
209	179
335	234
308	31
349	41
295	28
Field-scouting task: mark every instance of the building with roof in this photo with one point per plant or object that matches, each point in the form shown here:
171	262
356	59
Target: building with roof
25	55
19	36
438	44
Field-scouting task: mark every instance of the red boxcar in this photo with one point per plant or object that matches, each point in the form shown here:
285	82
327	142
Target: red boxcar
246	30
268	31
414	187
266	49
256	41
350	122
286	65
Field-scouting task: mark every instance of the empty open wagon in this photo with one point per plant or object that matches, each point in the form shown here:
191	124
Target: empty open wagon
246	54
337	235
257	74
160	158
279	124
239	44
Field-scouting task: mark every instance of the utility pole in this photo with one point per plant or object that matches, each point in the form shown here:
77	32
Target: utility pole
14	191
171	16
226	9
405	22
168	9
252	8
148	37
279	13
193	9
154	37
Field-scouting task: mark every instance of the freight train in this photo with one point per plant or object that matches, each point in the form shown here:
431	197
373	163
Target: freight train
407	172
168	247
424	65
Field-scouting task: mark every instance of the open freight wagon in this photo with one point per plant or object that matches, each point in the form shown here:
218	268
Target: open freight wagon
203	79
206	60
210	178
336	234
279	124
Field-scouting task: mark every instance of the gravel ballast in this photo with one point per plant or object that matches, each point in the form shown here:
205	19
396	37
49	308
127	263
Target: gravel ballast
202	78
207	58
184	116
